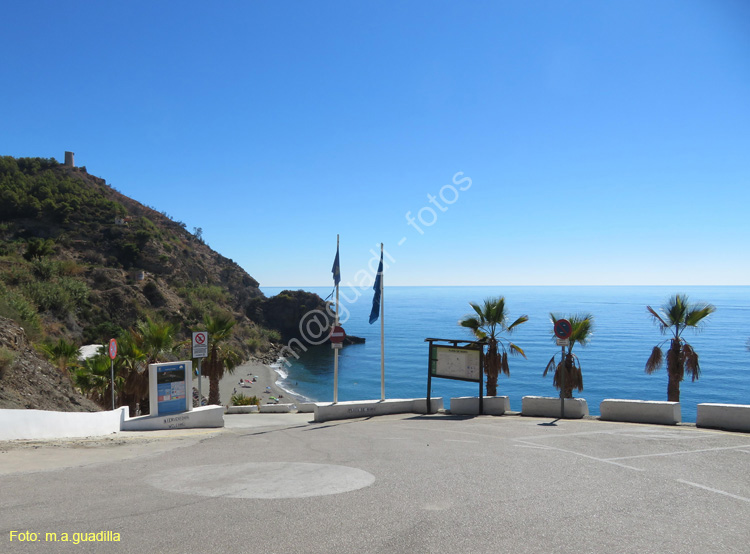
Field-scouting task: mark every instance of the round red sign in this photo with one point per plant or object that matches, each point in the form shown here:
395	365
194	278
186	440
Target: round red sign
338	334
563	329
112	349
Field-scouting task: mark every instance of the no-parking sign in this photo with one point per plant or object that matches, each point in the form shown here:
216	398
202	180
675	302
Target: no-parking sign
200	344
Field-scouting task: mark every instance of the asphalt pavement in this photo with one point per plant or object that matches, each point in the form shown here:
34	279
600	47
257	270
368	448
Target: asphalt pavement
278	483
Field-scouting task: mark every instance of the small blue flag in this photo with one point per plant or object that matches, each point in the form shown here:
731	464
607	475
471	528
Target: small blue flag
375	313
336	270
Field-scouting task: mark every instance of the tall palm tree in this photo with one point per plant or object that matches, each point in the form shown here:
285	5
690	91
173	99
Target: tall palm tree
149	342
489	323
221	357
581	330
677	314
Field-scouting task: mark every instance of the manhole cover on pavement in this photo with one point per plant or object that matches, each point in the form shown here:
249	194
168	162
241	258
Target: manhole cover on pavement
262	480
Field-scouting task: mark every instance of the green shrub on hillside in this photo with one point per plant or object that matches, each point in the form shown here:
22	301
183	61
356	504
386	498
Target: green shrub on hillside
7	359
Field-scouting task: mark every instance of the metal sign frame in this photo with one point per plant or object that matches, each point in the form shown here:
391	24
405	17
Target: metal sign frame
454	344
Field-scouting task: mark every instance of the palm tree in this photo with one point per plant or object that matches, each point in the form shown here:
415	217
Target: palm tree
93	377
221	357
490	321
677	314
581	330
63	354
149	342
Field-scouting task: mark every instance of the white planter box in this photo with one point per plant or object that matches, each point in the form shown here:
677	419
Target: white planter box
733	417
544	406
640	411
469	405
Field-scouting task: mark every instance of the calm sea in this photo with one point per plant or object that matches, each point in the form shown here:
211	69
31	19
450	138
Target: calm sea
613	362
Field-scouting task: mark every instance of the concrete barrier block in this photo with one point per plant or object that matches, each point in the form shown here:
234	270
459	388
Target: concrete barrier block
543	406
241	409
306	407
469	405
368	408
420	405
732	417
277	408
640	411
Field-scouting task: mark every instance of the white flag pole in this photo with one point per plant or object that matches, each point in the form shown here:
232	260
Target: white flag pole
382	331
336	350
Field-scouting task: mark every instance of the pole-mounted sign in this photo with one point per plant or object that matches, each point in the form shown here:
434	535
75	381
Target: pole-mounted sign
563	330
112	356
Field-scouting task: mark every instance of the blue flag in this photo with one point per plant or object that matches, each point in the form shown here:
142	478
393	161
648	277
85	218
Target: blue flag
375	313
336	270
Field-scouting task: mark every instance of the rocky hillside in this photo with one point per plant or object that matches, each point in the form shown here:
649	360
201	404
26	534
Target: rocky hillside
81	262
29	381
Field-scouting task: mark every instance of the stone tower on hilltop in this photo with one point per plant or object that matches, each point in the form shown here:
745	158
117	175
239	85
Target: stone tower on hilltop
69	159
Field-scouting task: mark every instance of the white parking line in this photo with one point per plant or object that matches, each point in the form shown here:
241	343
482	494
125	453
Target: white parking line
582	455
717	449
717	491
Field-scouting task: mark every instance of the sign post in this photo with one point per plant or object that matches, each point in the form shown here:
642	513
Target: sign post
200	351
563	330
337	337
112	356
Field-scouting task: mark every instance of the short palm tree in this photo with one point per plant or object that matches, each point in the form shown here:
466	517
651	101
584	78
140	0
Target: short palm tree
677	314
93	377
489	323
63	354
581	326
221	357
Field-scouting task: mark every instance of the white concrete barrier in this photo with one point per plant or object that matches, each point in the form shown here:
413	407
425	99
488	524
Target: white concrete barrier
205	416
469	405
277	408
42	424
325	411
420	405
306	407
640	411
250	409
543	406
732	417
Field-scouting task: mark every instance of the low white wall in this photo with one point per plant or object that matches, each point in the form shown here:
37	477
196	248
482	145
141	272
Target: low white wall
306	407
203	417
367	408
469	405
543	406
251	409
640	411
277	408
41	424
733	417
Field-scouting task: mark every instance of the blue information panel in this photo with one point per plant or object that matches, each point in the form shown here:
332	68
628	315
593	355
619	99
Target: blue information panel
171	387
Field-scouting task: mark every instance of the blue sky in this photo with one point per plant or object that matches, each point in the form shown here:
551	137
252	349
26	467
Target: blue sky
605	142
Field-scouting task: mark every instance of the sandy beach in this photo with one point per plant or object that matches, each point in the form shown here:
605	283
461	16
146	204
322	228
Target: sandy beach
263	387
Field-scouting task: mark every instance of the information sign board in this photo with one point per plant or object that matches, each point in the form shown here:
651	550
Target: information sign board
455	363
170	387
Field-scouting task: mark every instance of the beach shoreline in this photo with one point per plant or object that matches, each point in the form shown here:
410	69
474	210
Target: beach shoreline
264	386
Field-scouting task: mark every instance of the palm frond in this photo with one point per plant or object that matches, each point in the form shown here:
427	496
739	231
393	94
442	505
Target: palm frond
663	325
697	314
550	366
515	349
692	367
504	364
519	321
655	360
